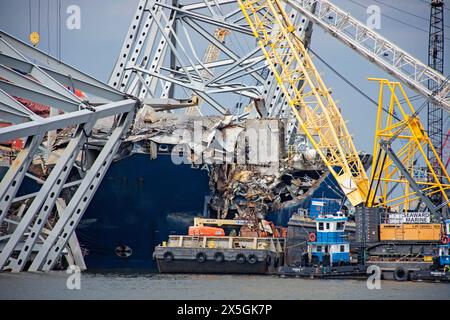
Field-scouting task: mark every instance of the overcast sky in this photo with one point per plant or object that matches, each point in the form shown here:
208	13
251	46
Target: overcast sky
104	23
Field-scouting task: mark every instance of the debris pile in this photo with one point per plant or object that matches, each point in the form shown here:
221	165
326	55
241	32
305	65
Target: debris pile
251	192
251	175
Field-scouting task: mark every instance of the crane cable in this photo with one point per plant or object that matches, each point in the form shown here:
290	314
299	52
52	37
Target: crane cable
29	15
34	36
350	83
39	16
59	28
406	12
426	2
395	19
48	27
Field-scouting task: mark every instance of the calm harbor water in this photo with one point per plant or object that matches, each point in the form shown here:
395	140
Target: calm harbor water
155	286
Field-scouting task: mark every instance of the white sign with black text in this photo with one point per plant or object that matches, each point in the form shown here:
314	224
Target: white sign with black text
409	217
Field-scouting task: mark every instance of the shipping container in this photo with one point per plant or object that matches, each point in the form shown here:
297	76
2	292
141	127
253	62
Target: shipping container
410	232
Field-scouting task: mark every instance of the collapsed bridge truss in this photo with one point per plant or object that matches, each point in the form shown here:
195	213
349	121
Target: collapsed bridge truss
161	57
25	217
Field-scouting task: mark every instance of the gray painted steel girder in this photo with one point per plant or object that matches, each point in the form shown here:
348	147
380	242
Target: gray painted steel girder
14	51
69	219
44	200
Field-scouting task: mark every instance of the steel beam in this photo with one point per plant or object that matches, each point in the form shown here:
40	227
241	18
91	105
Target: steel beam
21	86
31	224
145	34
201	31
156	62
13	178
65	120
117	72
204	4
194	86
203	18
64	70
63	229
38	74
398	163
13	111
43	203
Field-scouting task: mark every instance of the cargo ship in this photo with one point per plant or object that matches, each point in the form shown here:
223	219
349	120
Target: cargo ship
145	197
141	202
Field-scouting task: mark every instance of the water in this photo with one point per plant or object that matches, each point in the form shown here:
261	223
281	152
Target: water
156	286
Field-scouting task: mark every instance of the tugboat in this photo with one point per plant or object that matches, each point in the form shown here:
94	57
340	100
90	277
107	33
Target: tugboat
328	252
329	247
303	223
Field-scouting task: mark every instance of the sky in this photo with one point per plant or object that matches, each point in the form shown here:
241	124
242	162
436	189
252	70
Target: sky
104	23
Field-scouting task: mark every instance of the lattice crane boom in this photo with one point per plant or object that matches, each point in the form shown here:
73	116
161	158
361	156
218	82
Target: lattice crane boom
406	164
309	98
376	49
436	61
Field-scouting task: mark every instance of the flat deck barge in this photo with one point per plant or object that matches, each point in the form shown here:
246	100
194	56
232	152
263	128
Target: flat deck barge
224	254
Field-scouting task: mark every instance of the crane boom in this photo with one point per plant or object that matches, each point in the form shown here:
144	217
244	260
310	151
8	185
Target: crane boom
376	49
306	93
400	155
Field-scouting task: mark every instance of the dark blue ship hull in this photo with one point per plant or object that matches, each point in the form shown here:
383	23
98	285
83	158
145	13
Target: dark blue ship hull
327	189
138	204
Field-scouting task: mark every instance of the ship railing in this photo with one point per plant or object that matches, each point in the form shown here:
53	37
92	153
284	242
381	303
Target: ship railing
221	242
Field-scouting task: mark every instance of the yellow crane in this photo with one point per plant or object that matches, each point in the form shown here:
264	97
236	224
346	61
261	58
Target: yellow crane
310	100
404	164
321	120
